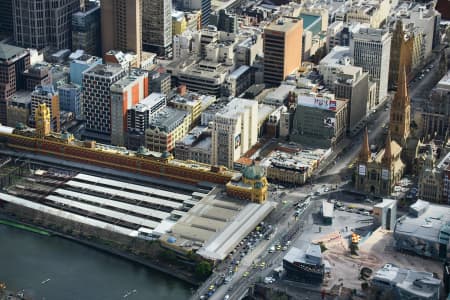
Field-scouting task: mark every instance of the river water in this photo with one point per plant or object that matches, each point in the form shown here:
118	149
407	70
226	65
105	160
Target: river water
52	268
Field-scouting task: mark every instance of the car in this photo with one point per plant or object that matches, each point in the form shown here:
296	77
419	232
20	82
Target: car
279	248
226	297
284	248
366	213
262	265
245	274
272	249
211	287
288	243
326	190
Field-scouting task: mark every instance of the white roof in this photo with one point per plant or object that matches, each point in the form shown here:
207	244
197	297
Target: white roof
103	211
66	215
128	195
134	187
116	204
6	129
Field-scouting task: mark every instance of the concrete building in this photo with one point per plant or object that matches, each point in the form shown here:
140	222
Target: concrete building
203	6
139	116
305	265
292	166
235	131
238	82
398	283
430	179
70	99
97	82
179	23
19	109
126	93
435	112
385	213
157	27
191	102
224	21
352	83
159	82
39	24
282	49
424	230
333	63
373	13
426	19
121	26
370	49
6	18
86	29
38	74
78	66
320	120
165	128
48	96
13	62
196	145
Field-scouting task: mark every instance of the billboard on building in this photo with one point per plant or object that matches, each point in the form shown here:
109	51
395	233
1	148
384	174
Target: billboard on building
329	122
385	174
362	170
237	141
332	105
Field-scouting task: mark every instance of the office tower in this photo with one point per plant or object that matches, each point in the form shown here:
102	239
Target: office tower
234	131
224	21
13	61
70	99
86	29
282	49
370	49
126	93
78	66
46	94
6	18
97	82
39	24
157	27
121	23
203	5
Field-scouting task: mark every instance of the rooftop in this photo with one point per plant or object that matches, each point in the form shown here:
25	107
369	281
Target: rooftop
108	70
324	102
426	221
283	24
8	52
299	161
167	119
310	254
422	285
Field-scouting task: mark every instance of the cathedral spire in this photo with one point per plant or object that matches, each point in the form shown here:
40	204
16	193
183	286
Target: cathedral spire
402	96
387	156
364	155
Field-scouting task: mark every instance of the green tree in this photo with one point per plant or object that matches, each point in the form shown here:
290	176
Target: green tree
203	269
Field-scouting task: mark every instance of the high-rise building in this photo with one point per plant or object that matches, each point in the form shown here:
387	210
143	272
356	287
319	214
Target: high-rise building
204	6
13	61
39	24
224	21
6	17
121	23
157	26
48	96
126	93
70	99
370	49
234	131
86	29
78	66
282	49
97	82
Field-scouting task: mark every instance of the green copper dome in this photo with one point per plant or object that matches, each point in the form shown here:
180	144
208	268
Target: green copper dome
253	172
166	154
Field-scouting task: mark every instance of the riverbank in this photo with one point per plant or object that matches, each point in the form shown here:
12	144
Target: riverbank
168	269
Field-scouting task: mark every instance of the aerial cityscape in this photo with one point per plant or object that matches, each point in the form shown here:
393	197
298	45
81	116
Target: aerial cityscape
224	149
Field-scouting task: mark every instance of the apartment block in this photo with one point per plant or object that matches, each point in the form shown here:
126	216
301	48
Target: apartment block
126	93
97	82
